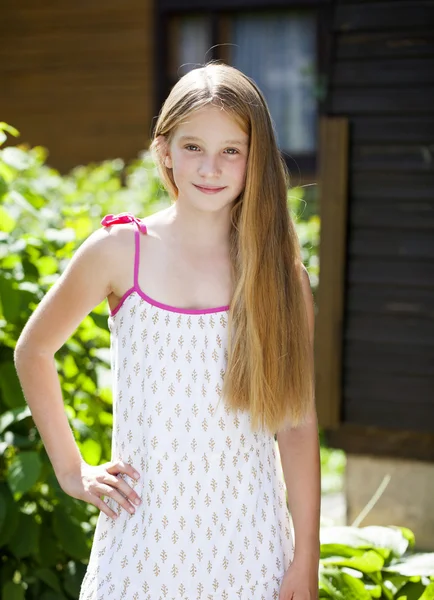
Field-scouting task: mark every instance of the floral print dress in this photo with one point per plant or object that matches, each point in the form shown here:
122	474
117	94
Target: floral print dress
213	523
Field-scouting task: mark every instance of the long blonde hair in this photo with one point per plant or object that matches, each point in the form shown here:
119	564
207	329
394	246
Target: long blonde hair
270	363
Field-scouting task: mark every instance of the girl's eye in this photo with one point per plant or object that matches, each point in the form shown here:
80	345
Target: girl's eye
189	146
232	151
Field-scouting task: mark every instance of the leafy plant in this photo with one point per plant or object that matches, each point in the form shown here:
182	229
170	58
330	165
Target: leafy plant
374	562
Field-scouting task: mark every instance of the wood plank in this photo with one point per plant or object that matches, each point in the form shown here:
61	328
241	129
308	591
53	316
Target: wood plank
375	441
381	44
166	6
388	358
404	15
392	157
385	129
401	330
387	100
392	271
333	186
390	391
407	244
73	17
401	214
361	410
381	300
392	186
379	72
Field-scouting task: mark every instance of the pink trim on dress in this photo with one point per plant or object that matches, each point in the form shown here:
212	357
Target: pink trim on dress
124	217
127	217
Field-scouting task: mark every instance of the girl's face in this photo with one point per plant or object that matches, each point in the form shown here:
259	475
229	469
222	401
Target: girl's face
208	154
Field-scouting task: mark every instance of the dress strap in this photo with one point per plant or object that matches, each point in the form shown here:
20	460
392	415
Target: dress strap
127	217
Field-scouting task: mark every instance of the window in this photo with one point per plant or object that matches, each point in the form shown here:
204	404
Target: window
277	49
278	52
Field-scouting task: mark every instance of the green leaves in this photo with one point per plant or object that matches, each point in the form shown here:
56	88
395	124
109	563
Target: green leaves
12	591
70	534
371	562
23	471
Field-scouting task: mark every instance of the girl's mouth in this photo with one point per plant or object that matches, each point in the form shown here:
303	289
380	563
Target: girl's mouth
209	190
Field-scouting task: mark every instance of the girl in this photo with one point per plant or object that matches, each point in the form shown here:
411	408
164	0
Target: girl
211	321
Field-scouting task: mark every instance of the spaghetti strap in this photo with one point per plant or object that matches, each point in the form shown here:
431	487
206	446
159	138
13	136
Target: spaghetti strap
127	217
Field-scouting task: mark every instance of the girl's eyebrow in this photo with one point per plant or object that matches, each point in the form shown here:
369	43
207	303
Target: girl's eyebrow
193	138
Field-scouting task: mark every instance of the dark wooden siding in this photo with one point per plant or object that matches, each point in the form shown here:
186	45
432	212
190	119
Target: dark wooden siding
382	79
78	78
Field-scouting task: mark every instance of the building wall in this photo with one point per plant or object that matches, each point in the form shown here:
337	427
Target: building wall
381	79
78	77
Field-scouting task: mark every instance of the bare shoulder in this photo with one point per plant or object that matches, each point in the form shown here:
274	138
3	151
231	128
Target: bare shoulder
83	285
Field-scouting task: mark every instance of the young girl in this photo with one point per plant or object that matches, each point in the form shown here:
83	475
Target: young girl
211	321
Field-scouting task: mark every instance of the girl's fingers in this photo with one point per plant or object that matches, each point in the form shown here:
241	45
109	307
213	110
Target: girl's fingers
107	490
103	507
119	466
123	487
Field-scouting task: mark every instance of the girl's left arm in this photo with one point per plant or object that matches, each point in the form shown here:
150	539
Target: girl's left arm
300	456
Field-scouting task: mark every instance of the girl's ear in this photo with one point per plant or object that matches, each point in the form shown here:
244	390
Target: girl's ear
164	151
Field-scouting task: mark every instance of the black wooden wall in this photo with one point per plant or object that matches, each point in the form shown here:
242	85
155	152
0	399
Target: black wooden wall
382	79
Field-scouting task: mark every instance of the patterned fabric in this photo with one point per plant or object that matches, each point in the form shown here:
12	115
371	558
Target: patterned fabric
213	523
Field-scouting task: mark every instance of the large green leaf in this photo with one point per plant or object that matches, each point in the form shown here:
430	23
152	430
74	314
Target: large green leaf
10	387
70	534
10	522
12	591
7	222
429	593
25	540
24	471
49	577
14	416
369	562
421	564
412	590
91	451
385	540
49	551
10	300
16	158
349	588
73	577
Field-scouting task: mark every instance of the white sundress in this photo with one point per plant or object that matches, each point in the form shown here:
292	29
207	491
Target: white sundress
213	523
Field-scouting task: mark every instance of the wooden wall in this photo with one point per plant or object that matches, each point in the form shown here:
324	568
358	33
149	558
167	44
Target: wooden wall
381	78
77	77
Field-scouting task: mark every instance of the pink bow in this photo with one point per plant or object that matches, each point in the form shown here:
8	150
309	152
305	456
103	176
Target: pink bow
124	217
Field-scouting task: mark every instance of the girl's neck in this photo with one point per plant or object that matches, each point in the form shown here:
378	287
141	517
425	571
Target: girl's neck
199	231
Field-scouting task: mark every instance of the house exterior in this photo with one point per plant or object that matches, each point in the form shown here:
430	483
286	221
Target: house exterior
351	89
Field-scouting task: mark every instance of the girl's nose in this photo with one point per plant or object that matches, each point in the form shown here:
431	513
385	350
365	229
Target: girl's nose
209	167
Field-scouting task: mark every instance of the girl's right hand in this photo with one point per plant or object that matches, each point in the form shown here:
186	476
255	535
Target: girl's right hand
89	483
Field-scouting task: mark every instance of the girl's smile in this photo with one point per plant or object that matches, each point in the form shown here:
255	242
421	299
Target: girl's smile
207	189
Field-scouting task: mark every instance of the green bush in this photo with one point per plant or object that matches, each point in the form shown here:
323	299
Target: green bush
45	535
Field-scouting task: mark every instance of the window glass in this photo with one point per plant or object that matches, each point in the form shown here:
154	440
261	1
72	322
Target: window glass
278	51
194	43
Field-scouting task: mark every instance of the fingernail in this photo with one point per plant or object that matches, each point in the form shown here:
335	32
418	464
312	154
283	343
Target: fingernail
137	501
136	475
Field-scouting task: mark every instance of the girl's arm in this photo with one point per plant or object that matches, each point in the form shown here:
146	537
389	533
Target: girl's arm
300	457
85	283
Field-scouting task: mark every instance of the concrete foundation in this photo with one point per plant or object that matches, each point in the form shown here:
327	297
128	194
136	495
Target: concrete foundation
407	501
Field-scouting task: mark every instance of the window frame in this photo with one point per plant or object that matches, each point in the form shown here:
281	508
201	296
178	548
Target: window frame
302	167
